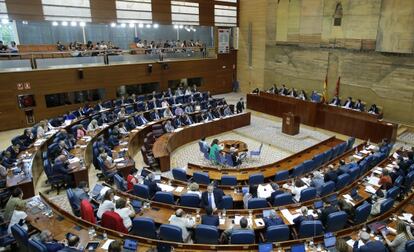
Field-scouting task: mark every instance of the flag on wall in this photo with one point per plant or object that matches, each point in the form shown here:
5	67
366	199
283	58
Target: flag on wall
325	90
338	83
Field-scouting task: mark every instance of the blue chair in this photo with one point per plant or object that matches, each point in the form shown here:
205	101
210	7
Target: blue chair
342	181
73	202
350	143
277	233
55	182
256	152
228	160
36	246
190	200
179	174
399	180
201	178
164	197
242	237
386	205
257	203
227	180
21	237
256	179
310	229
307	194
145	227
282	175
309	165
318	159
129	109
336	221
171	233
120	183
283	199
362	213
327	188
409	246
354	173
298	170
227	202
141	191
206	234
6	239
393	192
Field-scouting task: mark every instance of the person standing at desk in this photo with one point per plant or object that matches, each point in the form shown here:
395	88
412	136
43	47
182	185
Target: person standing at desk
240	106
15	199
214	150
211	198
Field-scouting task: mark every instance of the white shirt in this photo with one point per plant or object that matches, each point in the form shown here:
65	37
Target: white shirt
125	213
107	205
264	191
183	223
296	191
15	219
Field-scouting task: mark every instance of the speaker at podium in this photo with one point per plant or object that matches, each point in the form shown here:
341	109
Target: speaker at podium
290	125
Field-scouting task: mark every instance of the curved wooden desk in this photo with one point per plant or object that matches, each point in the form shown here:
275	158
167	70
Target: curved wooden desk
167	143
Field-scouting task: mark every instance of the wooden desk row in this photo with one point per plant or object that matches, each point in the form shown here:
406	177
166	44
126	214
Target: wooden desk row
344	121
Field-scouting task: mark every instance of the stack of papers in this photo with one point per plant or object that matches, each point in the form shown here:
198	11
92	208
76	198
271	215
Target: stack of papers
406	217
178	129
357	157
179	189
288	216
165	188
370	189
237	219
371	147
117	160
264	191
39	142
374	181
365	152
349	199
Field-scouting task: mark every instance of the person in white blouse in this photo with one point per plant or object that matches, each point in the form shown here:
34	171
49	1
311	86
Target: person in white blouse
93	125
167	113
125	211
183	222
165	104
121	113
41	129
296	188
107	203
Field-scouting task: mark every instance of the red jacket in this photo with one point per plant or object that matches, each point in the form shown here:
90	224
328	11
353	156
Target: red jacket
86	210
112	220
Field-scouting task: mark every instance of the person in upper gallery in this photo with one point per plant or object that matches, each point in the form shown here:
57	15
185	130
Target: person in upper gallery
212	197
302	95
225	236
188	91
167	113
369	245
123	129
188	109
7	160
41	129
168	127
125	211
26	139
283	90
168	93
256	91
141	120
46	238
186	120
108	165
349	104
335	101
178	111
273	89
177	122
194	188
123	100
93	125
293	93
227	110
331	174
326	211
155	116
164	103
152	104
296	188
184	222
194	89
130	124
121	114
14	151
132	98
358	105
178	91
152	184
99	106
373	109
240	106
273	219
80	131
209	218
403	234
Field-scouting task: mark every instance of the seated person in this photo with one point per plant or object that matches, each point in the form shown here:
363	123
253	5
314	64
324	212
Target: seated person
178	111
167	113
183	222
121	114
402	235
225	236
3	174
7	160
296	188
188	109
324	213
107	203
125	211
256	91
132	178
26	139
164	103
273	89
216	113
73	244
369	245
141	120
186	120
155	116
273	220
349	104
358	105
108	165
194	188
115	246
303	217
302	95
46	238
283	90
177	122
373	109
41	129
385	180
315	97
152	184
213	197
209	218
15	199
293	93
227	111
235	158
93	125
169	127
377	200
317	181
80	131
81	192
331	174
335	101
346	207
14	151
130	124
122	129
61	169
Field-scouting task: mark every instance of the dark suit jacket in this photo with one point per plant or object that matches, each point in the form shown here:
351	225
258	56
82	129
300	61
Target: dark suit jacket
218	198
239	106
371	246
273	222
211	220
331	176
298	220
336	102
359	106
53	246
152	186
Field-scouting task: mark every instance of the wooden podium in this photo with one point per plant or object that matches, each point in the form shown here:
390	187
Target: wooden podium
290	124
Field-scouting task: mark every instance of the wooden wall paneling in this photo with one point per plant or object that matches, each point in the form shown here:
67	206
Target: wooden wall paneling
103	11
206	12
161	12
25	9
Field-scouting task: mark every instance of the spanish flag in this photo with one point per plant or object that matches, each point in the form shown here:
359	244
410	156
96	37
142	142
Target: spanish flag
325	90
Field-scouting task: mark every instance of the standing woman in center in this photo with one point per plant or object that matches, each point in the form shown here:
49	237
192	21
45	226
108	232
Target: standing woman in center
214	149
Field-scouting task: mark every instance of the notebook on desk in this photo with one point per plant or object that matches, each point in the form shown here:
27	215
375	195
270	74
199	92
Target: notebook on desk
329	240
130	245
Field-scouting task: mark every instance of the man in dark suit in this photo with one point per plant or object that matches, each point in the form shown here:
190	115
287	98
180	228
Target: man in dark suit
14	151
26	139
240	106
331	174
140	120
370	245
335	101
209	218
73	242
273	220
358	105
327	210
152	184
305	216
46	237
349	104
155	116
212	198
